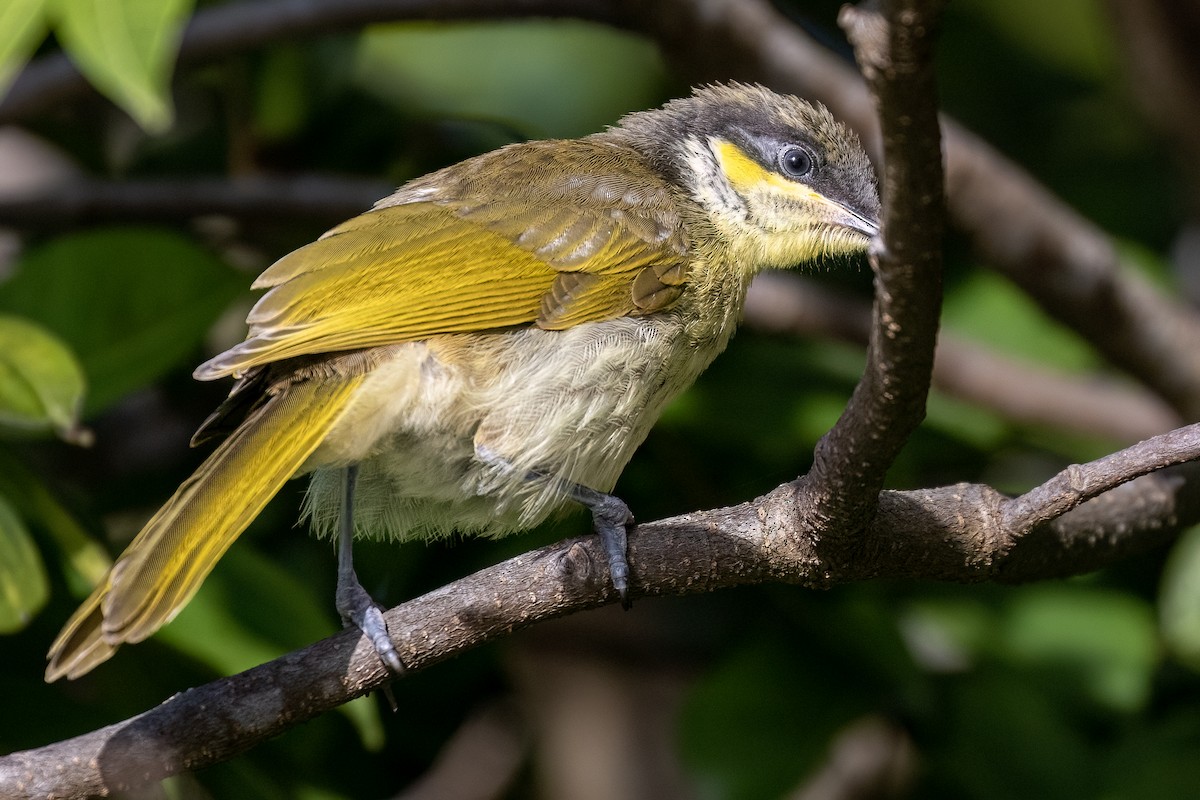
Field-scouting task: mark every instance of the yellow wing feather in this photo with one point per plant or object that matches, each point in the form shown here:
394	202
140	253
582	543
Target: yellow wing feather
562	244
166	562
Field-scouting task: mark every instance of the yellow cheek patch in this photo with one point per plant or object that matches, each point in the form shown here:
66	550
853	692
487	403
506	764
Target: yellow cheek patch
745	174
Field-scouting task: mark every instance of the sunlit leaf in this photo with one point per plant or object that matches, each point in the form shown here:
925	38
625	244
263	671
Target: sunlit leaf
23	584
1179	599
987	308
132	302
41	382
126	48
494	71
22	26
1105	641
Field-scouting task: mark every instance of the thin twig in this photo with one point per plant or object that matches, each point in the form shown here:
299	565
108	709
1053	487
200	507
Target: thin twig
1077	484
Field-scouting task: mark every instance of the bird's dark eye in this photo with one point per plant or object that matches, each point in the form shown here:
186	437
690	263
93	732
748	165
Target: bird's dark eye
795	162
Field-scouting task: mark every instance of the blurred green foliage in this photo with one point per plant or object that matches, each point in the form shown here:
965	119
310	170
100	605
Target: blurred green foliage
1086	688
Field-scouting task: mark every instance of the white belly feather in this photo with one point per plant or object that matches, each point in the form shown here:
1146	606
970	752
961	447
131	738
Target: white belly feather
447	439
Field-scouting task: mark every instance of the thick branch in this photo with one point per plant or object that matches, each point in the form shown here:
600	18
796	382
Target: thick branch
955	533
888	403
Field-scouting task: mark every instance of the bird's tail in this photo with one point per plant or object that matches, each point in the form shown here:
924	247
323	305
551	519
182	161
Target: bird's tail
167	561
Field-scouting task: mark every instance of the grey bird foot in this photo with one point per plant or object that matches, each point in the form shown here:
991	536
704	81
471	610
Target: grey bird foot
355	606
358	610
611	519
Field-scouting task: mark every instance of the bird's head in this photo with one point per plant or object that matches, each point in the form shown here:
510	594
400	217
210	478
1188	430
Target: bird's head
778	179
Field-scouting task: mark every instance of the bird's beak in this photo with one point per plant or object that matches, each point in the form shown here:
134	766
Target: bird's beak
856	220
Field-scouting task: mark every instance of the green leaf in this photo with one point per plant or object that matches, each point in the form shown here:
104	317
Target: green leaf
988	308
1102	642
1071	35
22	26
132	302
126	48
23	584
496	71
41	383
1179	599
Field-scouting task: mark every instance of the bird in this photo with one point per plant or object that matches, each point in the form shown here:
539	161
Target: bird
487	346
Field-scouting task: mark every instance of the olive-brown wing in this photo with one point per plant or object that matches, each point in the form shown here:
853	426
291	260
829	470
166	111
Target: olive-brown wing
572	232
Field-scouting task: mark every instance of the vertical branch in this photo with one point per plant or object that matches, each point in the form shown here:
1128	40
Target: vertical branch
895	51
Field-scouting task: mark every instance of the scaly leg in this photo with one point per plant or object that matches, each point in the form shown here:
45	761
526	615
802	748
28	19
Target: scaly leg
353	603
610	519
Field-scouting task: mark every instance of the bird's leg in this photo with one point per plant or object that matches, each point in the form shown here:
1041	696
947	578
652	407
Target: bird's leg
355	606
610	518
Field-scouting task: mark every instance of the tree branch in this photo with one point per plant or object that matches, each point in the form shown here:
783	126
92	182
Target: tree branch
1074	486
851	461
959	533
81	201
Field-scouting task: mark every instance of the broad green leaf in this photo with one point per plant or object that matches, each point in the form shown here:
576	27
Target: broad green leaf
41	382
132	302
22	26
1179	599
23	584
1104	641
496	71
126	48
1072	35
987	308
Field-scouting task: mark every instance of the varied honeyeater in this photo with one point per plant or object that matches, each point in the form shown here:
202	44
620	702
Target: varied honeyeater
490	343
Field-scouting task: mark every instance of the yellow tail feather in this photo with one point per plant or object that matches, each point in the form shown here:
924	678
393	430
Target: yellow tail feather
168	560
